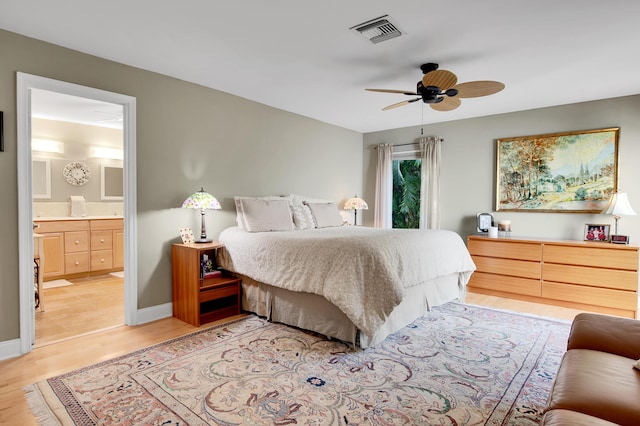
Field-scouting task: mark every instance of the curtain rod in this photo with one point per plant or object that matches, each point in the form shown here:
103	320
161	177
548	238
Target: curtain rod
405	144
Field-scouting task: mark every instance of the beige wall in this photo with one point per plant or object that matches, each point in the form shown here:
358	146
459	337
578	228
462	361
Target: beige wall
187	136
469	164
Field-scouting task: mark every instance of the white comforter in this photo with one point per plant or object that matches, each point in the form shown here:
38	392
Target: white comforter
363	271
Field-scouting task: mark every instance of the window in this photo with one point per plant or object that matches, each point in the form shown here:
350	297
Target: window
406	187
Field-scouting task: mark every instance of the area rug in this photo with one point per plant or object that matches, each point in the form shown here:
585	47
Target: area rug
56	283
460	365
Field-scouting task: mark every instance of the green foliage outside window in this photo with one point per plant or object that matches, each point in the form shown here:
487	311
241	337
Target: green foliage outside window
406	194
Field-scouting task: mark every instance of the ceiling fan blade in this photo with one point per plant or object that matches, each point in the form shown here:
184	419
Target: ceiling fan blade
399	104
446	104
475	89
440	78
404	92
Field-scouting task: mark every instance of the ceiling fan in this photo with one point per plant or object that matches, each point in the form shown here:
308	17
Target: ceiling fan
438	88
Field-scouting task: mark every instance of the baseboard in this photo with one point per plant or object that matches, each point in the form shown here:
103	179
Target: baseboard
154	313
10	349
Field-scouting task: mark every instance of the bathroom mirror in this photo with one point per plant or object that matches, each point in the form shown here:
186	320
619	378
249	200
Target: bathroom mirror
111	183
41	178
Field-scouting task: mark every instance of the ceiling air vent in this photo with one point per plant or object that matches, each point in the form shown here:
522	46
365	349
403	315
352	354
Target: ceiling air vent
378	30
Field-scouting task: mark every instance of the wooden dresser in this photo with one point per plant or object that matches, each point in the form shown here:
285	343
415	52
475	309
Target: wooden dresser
599	277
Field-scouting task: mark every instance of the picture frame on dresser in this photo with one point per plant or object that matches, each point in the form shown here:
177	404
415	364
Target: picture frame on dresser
598	232
568	172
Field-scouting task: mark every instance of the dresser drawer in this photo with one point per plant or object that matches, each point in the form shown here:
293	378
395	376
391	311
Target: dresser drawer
610	258
595	277
505	249
101	240
524	286
76	241
617	299
515	268
76	262
101	259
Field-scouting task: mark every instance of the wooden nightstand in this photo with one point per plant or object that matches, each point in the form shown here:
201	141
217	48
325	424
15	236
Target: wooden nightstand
198	299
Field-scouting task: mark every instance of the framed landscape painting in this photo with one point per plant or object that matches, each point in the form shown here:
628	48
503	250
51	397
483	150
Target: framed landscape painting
572	172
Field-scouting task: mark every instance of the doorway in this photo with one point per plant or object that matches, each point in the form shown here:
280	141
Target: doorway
82	284
26	85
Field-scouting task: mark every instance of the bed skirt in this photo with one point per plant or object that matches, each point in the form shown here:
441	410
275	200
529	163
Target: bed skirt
313	312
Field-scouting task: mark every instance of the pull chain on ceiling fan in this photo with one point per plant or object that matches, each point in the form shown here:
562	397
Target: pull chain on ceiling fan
438	88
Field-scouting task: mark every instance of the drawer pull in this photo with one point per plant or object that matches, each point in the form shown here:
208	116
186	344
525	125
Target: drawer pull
101	260
77	263
77	242
102	240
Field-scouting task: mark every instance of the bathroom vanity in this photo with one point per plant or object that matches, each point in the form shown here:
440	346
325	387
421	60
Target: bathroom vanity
77	247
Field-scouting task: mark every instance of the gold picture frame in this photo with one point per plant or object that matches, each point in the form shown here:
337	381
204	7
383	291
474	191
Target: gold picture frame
570	172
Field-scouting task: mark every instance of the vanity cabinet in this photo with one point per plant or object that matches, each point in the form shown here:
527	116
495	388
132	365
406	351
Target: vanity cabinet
103	248
594	276
53	249
75	247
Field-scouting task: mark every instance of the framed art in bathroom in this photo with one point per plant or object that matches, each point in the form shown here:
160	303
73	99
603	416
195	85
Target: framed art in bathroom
41	178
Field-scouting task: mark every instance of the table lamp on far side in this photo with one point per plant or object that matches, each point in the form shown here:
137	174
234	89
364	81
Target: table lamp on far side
355	204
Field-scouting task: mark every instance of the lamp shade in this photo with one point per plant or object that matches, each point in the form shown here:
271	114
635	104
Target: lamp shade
619	205
356	203
201	200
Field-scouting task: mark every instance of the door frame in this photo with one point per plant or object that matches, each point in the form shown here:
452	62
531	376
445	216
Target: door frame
26	82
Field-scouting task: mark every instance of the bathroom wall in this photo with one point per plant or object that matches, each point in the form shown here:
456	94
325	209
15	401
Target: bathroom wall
75	143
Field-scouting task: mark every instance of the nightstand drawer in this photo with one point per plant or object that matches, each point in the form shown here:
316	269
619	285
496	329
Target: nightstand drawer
220	292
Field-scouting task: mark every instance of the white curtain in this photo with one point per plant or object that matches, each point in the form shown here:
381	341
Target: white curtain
430	186
384	187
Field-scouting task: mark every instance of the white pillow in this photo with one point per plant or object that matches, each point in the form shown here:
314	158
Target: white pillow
302	217
262	215
240	216
325	214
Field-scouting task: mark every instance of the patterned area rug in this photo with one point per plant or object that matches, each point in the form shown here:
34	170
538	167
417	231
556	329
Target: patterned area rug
460	365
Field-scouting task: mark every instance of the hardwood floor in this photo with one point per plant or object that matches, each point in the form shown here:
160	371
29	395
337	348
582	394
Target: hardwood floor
69	354
90	304
522	306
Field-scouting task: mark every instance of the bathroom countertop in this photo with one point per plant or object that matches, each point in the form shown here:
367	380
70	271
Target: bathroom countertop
50	218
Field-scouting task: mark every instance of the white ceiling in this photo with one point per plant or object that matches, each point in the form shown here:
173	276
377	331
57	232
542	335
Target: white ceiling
300	56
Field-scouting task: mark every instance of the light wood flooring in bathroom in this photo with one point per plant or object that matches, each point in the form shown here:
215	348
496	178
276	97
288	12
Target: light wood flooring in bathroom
89	305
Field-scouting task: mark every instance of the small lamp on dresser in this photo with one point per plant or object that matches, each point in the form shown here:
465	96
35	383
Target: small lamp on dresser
203	201
619	206
354	204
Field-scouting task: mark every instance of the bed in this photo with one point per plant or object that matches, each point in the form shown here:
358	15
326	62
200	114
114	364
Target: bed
352	283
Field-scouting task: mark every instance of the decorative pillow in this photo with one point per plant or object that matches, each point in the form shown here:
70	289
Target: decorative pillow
302	217
262	215
240	216
325	214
